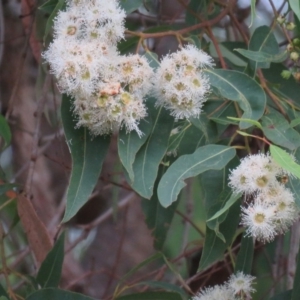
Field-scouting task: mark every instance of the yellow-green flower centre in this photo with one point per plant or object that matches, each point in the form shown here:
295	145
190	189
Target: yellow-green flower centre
262	181
259	218
71	30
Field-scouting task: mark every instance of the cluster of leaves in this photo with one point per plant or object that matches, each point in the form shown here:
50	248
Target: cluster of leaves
250	101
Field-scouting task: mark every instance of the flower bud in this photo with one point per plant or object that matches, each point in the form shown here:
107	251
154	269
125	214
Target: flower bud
294	56
290	26
297	76
286	74
290	47
280	19
296	42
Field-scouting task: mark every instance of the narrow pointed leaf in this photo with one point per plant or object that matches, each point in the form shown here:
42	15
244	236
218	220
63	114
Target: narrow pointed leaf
158	218
245	256
294	182
50	270
214	247
148	158
253	12
59	6
285	160
210	157
129	144
239	87
48	6
51	293
263	40
259	56
277	129
87	153
228	204
255	123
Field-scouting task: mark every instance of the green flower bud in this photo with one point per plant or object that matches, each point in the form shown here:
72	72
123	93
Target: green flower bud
294	56
286	74
280	19
290	26
296	42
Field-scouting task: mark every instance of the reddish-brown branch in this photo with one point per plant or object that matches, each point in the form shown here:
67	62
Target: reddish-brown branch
205	24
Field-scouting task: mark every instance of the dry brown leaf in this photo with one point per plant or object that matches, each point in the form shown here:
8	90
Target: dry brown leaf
37	234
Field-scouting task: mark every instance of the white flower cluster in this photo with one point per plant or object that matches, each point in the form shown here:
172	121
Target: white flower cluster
109	89
180	84
238	287
273	209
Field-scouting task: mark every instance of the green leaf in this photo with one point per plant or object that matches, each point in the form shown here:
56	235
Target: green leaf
286	88
186	141
193	11
295	6
88	153
294	183
152	59
50	270
127	46
3	298
229	203
285	160
277	129
283	296
221	201
164	285
158	218
214	247
51	293
232	58
253	11
148	158
245	256
263	57
263	40
3	292
208	128
130	143
295	122
203	159
59	6
5	132
152	296
255	123
48	6
145	262
130	5
296	286
239	87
